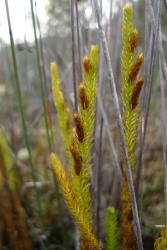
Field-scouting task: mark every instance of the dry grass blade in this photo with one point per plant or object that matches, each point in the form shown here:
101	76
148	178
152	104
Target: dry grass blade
99	148
165	4
110	138
150	53
73	55
78	43
99	144
163	72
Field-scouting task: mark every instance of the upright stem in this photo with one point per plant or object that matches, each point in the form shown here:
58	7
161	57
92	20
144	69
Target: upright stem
120	124
98	146
163	70
38	59
78	43
110	138
98	176
73	56
51	139
148	84
146	64
19	98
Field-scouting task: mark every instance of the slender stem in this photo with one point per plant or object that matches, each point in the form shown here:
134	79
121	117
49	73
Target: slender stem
41	48
19	98
51	139
148	84
40	75
99	143
146	70
165	4
73	56
163	70
78	43
110	138
98	182
99	146
57	194
111	12
121	129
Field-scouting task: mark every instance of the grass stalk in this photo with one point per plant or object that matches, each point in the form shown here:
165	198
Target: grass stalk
160	242
165	4
120	124
99	147
78	43
110	138
98	177
43	62
146	64
21	108
163	71
51	142
73	55
42	88
148	83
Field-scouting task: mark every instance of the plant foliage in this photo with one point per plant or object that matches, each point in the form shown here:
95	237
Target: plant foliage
78	141
112	230
131	88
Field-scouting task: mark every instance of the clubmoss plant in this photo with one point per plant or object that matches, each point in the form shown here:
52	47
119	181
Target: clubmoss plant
78	140
74	183
161	242
131	88
11	210
112	230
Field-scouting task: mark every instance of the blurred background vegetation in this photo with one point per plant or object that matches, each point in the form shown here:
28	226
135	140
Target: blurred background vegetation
53	228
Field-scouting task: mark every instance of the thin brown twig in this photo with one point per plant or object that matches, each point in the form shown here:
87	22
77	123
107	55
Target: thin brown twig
78	43
148	84
163	71
73	56
110	138
99	144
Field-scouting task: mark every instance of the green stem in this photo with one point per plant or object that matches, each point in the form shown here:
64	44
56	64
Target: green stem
50	139
23	120
40	75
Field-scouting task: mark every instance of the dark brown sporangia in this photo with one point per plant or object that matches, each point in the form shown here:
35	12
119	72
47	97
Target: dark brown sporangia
87	64
136	67
134	40
136	92
77	159
79	126
83	97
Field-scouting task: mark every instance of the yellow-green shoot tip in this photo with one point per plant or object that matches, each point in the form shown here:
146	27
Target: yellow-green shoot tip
111	210
127	7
